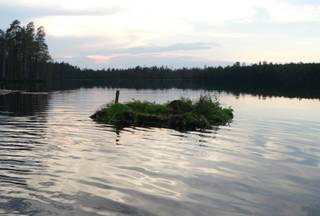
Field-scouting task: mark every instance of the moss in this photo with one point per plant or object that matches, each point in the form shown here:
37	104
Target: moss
178	114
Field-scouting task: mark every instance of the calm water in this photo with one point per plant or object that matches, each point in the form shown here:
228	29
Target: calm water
55	161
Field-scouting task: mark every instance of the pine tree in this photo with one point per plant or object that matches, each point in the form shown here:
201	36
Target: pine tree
42	53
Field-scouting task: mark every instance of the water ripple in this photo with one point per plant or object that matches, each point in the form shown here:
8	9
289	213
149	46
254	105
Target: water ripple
55	161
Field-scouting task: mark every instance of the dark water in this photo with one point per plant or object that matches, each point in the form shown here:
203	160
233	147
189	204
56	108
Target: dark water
55	161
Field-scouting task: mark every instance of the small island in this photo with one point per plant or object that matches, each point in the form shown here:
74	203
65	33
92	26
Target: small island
182	114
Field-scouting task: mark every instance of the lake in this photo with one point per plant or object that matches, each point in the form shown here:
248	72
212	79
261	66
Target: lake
54	160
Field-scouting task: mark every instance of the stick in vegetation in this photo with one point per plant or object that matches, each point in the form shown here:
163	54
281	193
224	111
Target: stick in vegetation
117	97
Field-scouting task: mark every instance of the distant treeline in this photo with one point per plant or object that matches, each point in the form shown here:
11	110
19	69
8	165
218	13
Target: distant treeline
273	79
258	75
24	56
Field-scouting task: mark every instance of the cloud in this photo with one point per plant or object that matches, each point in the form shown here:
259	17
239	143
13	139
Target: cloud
112	31
106	46
45	11
103	51
162	60
172	48
27	13
128	61
80	46
304	2
159	49
262	14
70	5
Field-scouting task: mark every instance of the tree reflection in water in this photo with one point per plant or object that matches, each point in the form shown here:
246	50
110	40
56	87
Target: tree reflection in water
23	104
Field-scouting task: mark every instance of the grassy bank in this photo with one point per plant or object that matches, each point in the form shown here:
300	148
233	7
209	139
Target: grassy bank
180	114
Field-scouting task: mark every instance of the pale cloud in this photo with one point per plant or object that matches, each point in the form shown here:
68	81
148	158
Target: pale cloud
304	2
99	59
185	47
148	60
163	51
105	30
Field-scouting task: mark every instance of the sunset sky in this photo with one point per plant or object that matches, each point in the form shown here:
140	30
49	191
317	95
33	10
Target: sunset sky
176	33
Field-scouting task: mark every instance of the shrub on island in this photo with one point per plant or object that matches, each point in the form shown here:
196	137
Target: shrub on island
182	114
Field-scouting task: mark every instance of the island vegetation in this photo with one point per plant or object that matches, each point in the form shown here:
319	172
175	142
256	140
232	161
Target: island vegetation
183	114
24	56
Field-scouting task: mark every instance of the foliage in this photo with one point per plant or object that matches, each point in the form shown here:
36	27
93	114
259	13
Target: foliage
24	56
147	107
180	114
264	77
212	111
183	105
23	52
188	121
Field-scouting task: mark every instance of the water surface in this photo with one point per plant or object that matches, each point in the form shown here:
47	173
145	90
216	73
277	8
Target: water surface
55	161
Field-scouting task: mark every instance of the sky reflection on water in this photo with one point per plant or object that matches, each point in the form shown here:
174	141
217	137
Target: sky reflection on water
55	160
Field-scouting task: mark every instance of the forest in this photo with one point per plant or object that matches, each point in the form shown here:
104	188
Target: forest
24	56
24	53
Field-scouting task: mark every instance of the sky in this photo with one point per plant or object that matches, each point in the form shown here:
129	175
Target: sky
174	33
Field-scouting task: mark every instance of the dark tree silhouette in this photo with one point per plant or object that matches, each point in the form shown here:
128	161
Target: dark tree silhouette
24	56
23	52
3	53
41	48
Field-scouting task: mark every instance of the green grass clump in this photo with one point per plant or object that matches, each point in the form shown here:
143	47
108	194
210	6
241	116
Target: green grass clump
180	114
212	110
148	108
181	106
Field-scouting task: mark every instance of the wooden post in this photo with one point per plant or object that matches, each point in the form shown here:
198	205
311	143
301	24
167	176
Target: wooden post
117	97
